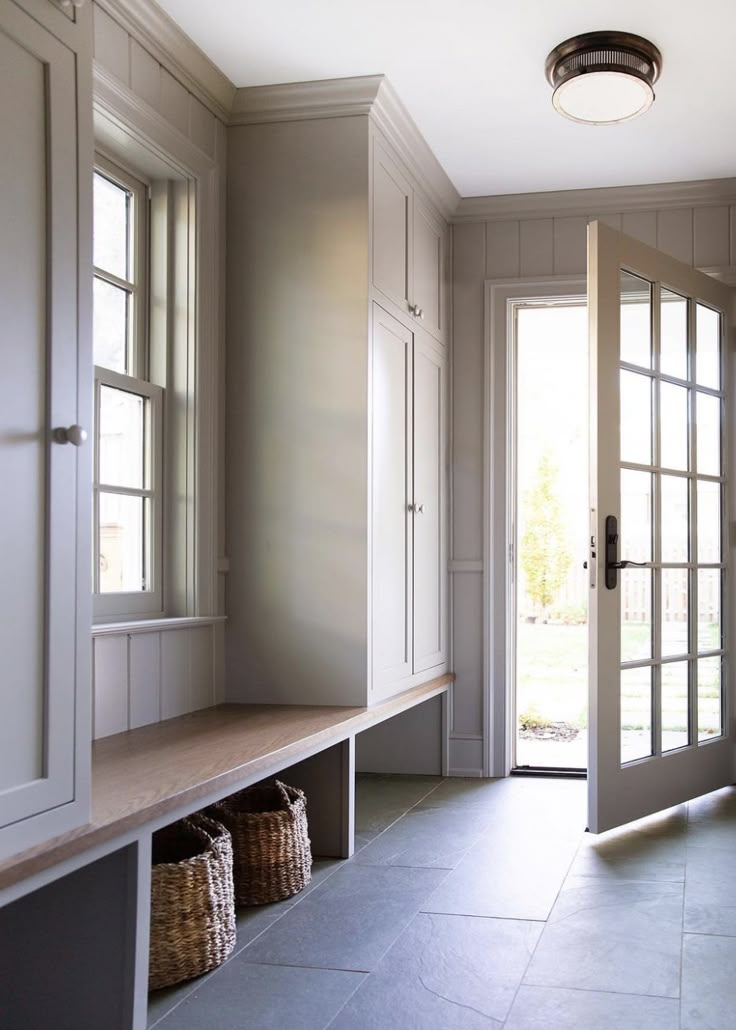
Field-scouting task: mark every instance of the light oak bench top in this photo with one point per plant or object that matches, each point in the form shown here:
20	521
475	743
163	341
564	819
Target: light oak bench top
141	775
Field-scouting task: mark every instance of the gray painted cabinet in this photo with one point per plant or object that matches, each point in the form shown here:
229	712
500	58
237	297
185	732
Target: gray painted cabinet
409	246
336	419
44	522
408	510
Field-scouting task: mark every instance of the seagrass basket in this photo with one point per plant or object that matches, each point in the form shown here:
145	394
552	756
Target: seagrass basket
272	857
192	904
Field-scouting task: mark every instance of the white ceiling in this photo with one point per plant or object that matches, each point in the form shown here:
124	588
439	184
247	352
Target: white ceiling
471	73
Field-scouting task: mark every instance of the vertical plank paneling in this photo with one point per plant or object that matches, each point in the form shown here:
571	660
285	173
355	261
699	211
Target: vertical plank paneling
145	679
111	685
467	716
570	245
675	233
642	225
614	220
467	384
145	75
711	234
174	673
733	234
174	102
202	124
219	662
111	45
502	249
537	247
201	668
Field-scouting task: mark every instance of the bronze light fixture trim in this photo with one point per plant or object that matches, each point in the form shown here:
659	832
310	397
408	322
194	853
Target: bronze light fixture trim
603	78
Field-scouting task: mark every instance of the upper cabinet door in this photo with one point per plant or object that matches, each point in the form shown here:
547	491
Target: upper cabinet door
392	199
391	521
428	293
38	392
430	505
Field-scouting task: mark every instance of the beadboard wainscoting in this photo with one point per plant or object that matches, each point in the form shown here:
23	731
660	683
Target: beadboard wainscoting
525	238
144	673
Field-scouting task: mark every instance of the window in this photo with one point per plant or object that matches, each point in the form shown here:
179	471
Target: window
128	451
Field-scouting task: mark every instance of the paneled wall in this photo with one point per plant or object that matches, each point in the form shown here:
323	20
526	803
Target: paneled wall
143	676
128	60
502	246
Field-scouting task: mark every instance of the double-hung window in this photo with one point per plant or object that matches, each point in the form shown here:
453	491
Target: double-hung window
128	452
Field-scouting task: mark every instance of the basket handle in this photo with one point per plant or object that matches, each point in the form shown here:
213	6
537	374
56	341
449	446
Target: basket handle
205	826
286	796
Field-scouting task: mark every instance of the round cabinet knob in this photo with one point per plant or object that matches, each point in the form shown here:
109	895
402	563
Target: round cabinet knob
74	435
419	313
419	509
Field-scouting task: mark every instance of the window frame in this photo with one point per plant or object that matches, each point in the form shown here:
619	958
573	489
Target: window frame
139	602
144	603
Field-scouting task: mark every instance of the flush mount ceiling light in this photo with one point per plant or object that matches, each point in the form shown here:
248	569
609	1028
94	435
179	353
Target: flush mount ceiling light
602	78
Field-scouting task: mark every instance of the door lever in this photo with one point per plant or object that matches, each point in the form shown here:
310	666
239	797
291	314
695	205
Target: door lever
612	562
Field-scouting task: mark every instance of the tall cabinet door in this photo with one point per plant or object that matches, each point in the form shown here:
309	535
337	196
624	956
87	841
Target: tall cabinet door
429	505
429	234
39	628
391	521
392	209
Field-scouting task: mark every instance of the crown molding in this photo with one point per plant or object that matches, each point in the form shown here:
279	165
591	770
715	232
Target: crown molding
146	22
367	95
605	200
302	101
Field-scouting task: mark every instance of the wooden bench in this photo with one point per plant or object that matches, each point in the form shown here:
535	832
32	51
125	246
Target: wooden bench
83	898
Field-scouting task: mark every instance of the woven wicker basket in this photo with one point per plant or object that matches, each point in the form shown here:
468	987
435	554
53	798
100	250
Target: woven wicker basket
192	905
272	858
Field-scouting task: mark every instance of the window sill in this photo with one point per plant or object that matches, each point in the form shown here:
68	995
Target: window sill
102	629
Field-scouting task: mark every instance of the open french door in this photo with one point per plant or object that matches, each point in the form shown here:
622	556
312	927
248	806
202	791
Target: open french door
660	585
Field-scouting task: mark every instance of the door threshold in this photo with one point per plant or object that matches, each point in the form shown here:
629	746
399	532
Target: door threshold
550	771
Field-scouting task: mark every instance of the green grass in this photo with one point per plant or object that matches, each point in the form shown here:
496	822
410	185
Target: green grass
552	679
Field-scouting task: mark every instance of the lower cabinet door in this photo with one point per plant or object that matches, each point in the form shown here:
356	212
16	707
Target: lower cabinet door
391	520
430	505
39	561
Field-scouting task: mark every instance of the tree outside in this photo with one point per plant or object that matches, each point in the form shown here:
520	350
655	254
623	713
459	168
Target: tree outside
545	556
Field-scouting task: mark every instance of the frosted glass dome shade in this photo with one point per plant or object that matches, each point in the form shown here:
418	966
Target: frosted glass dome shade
603	98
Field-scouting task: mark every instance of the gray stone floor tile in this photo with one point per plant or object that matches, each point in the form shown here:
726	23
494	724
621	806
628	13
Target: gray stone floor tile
444	973
430	837
381	800
244	996
712	820
525	806
708	983
710	891
654	850
506	876
349	921
612	936
554	1008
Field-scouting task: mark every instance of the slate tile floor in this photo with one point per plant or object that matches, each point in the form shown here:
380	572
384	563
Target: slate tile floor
482	904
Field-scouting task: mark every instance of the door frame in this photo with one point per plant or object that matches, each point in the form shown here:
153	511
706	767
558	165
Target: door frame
502	296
